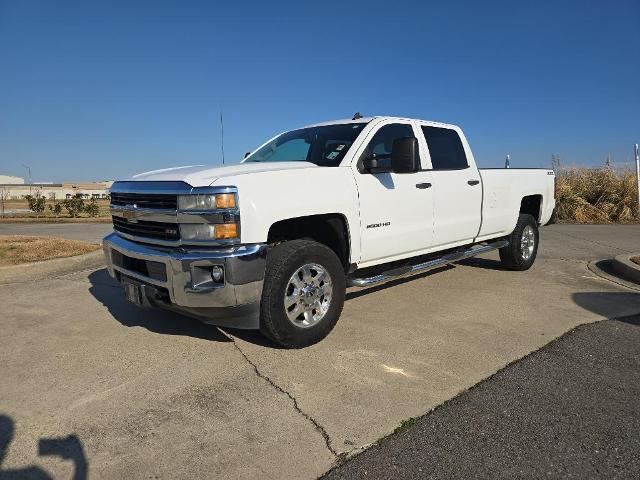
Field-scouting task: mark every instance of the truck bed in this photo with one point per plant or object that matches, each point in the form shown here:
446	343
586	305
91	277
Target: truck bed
505	187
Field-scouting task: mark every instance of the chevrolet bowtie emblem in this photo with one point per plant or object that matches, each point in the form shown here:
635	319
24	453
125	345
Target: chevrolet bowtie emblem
129	213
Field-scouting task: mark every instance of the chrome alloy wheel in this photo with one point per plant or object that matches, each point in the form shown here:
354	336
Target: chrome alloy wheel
308	295
527	242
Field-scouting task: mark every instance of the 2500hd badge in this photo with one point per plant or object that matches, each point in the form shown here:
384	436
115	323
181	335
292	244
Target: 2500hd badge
377	225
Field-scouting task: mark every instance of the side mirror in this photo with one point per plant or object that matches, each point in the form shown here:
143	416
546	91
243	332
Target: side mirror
247	154
404	155
370	163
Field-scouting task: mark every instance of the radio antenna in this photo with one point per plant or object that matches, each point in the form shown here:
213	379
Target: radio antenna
222	134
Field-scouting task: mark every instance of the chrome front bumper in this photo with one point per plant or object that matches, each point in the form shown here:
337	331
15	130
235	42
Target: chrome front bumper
176	278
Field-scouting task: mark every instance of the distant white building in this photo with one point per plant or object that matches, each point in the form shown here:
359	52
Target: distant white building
59	191
8	179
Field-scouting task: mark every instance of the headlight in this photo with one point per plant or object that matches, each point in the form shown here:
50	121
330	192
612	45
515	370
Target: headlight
206	201
205	231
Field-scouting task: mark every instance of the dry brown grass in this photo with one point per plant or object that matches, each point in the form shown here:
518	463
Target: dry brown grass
636	260
17	249
55	220
597	195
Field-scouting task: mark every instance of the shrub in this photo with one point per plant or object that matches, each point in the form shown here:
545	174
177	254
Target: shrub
601	195
36	203
92	208
74	205
56	208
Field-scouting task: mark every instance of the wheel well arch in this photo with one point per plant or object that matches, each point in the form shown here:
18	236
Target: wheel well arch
330	229
532	204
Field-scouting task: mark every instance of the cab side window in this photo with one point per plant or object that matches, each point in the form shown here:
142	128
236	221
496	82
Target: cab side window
382	142
445	147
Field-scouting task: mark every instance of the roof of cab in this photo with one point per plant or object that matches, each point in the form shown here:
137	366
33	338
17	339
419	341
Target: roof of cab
379	117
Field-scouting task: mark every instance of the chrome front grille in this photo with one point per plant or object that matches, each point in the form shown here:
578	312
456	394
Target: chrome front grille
145	200
140	228
147	211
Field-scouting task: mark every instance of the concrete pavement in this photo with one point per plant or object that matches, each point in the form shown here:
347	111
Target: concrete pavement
151	393
589	242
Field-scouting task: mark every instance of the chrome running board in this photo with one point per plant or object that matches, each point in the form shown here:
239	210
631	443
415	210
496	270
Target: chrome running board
409	270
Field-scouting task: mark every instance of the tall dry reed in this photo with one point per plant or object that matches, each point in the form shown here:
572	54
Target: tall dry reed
602	195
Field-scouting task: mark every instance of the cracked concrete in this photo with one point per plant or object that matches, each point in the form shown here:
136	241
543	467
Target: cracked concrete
153	394
313	421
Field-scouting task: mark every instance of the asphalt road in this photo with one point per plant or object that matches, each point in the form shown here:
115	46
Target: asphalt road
569	410
123	392
89	232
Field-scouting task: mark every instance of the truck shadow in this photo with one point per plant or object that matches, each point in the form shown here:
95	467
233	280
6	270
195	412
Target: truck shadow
109	292
66	448
620	306
480	262
253	336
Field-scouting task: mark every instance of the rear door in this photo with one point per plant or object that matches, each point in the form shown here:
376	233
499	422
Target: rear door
396	210
457	188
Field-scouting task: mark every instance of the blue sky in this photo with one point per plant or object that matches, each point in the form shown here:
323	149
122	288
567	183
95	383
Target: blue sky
101	90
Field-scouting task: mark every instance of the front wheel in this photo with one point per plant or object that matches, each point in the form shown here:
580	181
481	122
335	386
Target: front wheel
303	293
523	244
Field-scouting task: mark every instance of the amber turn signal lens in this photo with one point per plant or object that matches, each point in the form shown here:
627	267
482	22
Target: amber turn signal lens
227	230
225	200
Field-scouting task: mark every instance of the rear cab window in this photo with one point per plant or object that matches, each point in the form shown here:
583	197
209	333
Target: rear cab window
445	148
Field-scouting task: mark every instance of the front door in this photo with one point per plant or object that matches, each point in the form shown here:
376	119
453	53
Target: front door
396	210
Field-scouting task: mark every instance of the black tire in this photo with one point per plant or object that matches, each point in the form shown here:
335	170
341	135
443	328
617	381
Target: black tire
512	256
283	261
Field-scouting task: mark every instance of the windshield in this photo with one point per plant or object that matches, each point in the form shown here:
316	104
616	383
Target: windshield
325	146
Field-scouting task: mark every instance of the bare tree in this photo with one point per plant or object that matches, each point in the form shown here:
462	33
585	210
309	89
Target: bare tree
4	195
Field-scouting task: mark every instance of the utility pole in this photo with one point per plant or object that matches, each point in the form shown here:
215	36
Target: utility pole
28	168
28	176
637	155
222	134
2	198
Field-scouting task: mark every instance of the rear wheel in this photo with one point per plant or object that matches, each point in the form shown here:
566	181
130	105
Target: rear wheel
523	244
303	293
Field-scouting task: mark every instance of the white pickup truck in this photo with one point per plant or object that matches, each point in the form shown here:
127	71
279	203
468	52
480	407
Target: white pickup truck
273	242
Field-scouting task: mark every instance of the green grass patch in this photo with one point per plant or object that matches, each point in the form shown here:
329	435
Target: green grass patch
404	424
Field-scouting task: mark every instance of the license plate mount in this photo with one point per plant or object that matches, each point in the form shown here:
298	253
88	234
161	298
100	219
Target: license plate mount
133	292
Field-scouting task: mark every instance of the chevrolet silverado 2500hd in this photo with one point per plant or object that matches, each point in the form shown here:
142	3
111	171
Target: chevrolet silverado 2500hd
273	242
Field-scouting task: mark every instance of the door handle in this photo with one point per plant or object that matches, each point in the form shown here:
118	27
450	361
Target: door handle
473	182
423	185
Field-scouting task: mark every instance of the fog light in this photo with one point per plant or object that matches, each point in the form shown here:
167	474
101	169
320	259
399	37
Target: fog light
217	274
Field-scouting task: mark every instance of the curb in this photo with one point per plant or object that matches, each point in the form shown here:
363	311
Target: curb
624	267
604	270
47	268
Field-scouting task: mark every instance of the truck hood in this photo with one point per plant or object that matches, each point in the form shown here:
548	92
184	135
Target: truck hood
203	175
